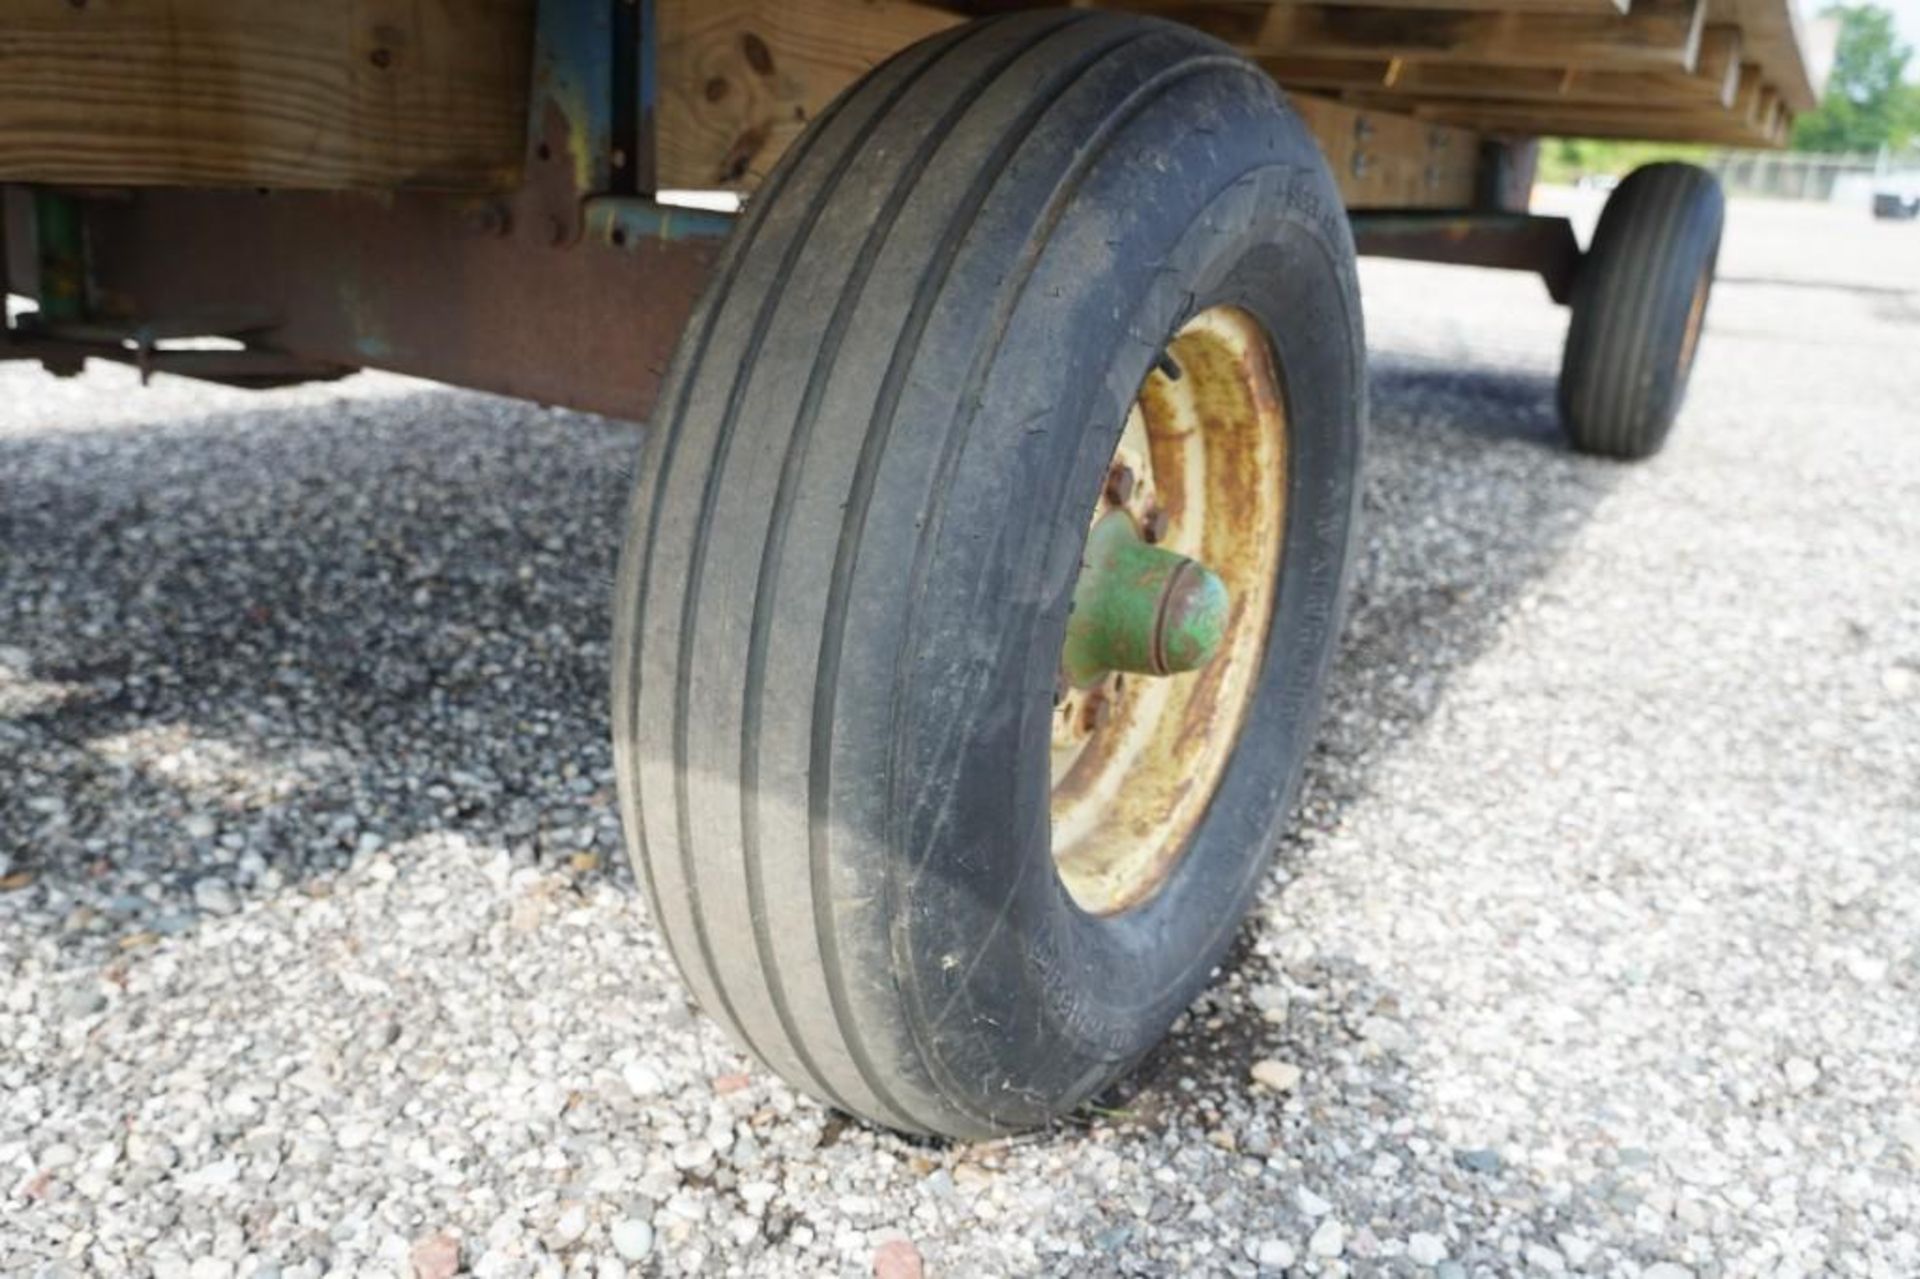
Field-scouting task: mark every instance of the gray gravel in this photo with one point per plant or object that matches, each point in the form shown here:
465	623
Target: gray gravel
1597	950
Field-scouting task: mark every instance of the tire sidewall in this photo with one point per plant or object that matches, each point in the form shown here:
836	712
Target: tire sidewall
1660	231
1674	262
1020	1003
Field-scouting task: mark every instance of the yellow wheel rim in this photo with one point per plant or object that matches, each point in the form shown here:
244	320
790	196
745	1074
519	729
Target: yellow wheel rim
1201	468
1696	318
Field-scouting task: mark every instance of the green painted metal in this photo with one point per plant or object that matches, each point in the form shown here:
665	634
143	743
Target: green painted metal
1140	609
63	268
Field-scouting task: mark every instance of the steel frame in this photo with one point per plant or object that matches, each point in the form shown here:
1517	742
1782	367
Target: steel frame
1546	246
571	289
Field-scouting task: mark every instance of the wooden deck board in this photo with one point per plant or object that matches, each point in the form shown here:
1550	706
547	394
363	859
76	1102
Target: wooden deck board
1719	71
1653	34
1714	80
1794	56
381	93
431	94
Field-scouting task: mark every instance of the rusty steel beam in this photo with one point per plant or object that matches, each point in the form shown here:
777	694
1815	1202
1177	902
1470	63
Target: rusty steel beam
455	290
571	289
1511	241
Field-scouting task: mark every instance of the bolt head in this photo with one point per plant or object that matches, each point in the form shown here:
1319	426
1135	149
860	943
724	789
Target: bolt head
1097	714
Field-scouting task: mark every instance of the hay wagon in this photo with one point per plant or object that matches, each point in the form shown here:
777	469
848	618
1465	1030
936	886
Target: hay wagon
1008	380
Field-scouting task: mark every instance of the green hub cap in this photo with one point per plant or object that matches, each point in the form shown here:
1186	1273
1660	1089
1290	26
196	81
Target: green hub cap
1140	609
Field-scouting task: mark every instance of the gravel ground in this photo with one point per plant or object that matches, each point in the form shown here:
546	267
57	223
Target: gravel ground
1597	949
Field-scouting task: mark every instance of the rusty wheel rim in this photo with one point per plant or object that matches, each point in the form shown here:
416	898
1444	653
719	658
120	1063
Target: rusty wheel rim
1696	319
1201	470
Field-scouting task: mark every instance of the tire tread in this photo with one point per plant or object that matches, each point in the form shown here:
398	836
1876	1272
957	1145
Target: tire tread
1620	383
800	292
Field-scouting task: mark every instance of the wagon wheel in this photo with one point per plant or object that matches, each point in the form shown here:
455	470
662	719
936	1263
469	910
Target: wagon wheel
985	565
1639	307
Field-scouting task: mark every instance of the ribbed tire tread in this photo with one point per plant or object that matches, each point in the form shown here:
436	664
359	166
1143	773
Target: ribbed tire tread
751	920
1622	377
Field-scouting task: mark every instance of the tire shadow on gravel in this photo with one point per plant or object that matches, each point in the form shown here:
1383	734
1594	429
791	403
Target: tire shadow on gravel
245	648
1489	402
1351	1130
1471	499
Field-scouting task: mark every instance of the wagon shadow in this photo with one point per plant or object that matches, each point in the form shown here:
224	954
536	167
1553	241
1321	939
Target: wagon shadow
252	646
186	605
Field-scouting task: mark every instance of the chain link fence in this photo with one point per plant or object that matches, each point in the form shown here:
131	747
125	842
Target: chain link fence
1806	175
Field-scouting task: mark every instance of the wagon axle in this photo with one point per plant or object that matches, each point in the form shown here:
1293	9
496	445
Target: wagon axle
1140	609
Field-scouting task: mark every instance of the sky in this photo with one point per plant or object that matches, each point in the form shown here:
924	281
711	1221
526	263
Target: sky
1907	14
1906	20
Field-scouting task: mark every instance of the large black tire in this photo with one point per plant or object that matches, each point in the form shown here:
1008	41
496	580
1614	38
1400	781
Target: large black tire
842	600
1639	304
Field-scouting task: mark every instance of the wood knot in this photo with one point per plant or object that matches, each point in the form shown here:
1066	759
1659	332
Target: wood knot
759	57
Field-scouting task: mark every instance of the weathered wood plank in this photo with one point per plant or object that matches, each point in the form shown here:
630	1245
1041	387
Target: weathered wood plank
1714	80
1609	7
1717	125
1794	56
739	79
1383	159
727	113
1654	34
424	94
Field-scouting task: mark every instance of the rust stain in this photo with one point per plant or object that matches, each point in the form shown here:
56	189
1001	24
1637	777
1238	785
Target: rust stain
1128	802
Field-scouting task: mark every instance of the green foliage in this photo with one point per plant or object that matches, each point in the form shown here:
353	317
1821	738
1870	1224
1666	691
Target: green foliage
1568	159
1868	103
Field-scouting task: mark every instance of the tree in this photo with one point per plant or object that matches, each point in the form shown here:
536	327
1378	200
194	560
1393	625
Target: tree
1868	103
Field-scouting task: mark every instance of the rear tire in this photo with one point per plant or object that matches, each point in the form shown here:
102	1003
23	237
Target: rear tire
845	589
1639	306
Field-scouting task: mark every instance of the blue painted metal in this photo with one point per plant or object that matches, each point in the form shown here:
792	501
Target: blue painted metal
649	56
573	89
594	107
647	85
626	222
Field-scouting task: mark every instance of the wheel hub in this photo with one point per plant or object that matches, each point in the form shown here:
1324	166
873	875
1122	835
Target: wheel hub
1140	609
1170	615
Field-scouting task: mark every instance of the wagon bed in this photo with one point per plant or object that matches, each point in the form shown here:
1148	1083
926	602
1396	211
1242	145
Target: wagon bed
433	96
494	130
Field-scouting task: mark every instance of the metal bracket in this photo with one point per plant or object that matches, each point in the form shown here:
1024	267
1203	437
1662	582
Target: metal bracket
570	289
1512	241
590	113
626	222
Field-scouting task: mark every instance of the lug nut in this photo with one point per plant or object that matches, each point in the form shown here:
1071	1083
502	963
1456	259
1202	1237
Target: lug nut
1097	713
1119	484
1154	527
